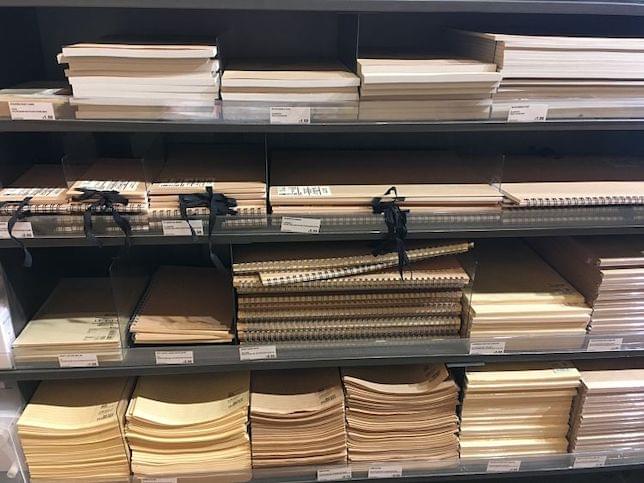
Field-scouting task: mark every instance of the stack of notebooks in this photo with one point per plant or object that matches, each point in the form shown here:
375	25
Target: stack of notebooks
190	425
516	293
297	418
608	411
516	410
340	292
45	184
142	81
184	305
573	76
74	430
330	89
56	97
408	89
346	182
573	193
401	413
78	317
609	272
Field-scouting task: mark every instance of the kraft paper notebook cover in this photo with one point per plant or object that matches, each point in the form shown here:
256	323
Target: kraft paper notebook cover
44	183
575	193
123	175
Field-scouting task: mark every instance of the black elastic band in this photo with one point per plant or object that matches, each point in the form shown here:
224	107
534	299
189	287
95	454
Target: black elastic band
104	201
396	221
17	216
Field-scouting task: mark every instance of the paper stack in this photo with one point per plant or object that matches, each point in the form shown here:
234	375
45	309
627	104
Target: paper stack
408	89
401	413
297	418
340	292
74	430
190	424
515	410
142	81
570	77
78	317
516	293
45	184
608	411
184	305
609	271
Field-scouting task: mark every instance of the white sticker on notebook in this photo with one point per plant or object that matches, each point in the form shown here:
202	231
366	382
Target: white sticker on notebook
303	191
528	113
385	471
503	466
77	360
31	111
334	473
158	480
487	348
589	461
290	115
605	345
181	228
300	225
174	357
256	353
22	229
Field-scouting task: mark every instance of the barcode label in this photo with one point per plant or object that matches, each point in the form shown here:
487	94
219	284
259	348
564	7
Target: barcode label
31	111
334	474
589	461
256	353
181	228
77	360
604	345
528	113
174	357
22	229
158	480
300	225
385	471
303	191
290	115
39	192
108	185
503	466
487	347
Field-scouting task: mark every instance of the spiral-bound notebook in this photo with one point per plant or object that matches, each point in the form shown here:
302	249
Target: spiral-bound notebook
574	193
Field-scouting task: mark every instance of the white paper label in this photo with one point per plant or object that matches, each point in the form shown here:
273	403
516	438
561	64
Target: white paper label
589	461
22	229
487	347
31	111
158	480
256	353
385	471
334	474
304	191
604	345
528	113
300	225
174	357
503	466
77	360
181	228
290	115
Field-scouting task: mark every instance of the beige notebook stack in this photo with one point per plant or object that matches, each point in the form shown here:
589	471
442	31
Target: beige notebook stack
74	430
609	411
142	81
184	305
422	89
342	291
516	293
399	413
188	424
517	409
46	186
297	418
346	182
609	272
78	317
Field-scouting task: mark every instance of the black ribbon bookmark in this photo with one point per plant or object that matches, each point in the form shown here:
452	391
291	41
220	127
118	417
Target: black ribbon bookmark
396	221
218	205
104	201
18	215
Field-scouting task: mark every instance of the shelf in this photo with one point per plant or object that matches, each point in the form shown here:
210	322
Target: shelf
452	351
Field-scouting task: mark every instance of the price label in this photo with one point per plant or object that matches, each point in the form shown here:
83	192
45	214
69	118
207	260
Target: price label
290	115
385	471
77	360
22	229
31	111
174	357
300	225
158	480
334	474
256	353
528	113
487	348
503	466
181	228
304	191
589	461
604	345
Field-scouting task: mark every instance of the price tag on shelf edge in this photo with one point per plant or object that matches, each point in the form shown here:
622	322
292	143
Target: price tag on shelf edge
174	357
487	348
589	461
181	228
335	473
503	466
528	113
290	115
300	225
77	360
605	345
22	229
385	471
31	111
257	352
